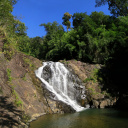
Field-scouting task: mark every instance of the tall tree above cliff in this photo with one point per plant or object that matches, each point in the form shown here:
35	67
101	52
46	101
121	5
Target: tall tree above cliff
116	7
5	9
52	45
66	19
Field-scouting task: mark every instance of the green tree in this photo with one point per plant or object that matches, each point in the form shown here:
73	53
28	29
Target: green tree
6	7
100	18
116	7
78	19
36	45
19	28
24	44
84	23
66	19
52	41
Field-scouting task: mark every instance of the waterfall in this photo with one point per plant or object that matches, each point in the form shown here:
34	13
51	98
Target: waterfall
63	84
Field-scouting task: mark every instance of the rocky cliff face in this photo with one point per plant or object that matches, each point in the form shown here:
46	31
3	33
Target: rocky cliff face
21	94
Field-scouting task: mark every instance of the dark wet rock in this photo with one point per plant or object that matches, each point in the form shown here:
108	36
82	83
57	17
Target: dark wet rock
65	108
47	73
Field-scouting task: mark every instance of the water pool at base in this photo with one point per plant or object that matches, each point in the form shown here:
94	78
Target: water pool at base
91	118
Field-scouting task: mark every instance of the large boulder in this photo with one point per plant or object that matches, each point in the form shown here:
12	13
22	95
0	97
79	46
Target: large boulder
95	104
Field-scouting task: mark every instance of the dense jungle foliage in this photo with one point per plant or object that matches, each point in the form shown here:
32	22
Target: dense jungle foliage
94	38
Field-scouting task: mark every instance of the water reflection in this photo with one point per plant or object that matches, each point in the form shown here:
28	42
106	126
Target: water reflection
91	118
63	121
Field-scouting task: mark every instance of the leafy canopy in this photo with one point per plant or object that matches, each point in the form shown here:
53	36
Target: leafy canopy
116	7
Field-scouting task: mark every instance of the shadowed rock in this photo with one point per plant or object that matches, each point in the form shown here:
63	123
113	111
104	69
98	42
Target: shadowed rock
46	73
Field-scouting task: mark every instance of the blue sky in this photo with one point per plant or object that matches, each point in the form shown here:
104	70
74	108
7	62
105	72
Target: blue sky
35	12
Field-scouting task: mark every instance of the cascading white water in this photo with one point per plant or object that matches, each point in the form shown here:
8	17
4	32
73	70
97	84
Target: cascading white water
62	83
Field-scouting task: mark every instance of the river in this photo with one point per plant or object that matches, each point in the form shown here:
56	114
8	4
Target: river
90	118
